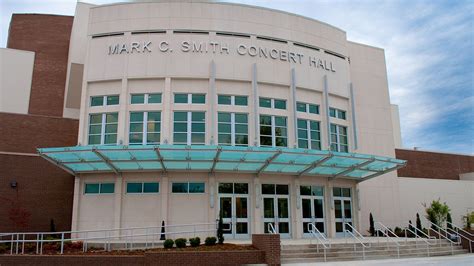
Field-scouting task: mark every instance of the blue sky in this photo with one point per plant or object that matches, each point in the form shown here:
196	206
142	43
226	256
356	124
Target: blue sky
428	46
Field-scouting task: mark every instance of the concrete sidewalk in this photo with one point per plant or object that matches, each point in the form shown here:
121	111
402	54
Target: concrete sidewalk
458	260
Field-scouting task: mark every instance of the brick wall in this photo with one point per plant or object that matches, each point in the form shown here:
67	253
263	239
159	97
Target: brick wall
43	192
204	258
25	133
53	260
270	243
434	165
48	36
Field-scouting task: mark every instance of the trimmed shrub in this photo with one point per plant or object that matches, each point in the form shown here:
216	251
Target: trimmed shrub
371	227
210	241
220	229
168	243
195	242
180	242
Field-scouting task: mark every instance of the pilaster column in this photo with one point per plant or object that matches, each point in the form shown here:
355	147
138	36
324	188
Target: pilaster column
118	201
75	205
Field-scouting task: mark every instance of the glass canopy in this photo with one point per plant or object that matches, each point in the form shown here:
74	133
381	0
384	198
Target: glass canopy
252	160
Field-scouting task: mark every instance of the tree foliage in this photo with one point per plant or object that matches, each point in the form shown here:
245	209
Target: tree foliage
437	212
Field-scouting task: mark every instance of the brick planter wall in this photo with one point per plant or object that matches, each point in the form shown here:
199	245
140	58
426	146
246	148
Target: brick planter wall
270	243
69	260
197	258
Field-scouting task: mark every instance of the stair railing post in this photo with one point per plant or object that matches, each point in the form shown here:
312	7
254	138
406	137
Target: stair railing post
37	243
62	243
11	246
23	245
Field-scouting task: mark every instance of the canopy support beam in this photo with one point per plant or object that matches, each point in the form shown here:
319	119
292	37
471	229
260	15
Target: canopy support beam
106	160
160	159
268	161
58	164
315	164
381	173
216	159
355	167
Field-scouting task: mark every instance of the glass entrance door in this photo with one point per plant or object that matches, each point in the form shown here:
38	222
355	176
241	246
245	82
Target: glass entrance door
342	210
312	208
233	205
276	208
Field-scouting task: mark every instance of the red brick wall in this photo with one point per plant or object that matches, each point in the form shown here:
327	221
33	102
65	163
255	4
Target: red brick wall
434	165
43	192
204	258
270	243
25	133
52	260
48	36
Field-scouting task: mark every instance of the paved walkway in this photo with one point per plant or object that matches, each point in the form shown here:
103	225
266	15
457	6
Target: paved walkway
458	260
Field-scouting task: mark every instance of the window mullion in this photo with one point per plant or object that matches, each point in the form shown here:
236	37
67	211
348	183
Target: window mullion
308	131
273	130
189	126
232	129
102	129
190	98
145	128
104	100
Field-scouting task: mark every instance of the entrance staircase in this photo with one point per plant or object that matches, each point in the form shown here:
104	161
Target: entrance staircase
306	253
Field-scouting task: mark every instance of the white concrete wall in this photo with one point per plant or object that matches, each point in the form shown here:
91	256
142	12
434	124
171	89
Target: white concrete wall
458	195
397	132
16	72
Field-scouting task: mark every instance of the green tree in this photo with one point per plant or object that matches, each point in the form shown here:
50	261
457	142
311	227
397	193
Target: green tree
372	227
449	221
437	213
418	222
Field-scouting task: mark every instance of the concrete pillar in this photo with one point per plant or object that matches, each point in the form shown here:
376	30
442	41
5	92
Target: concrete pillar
257	214
165	191
75	204
118	201
297	224
166	113
330	215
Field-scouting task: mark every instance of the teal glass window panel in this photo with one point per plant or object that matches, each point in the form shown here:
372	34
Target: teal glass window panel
111	128
224	139
110	139
346	192
302	123
134	187
151	187
241	118
303	144
154	98
317	191
224	128
342	115
198	116
314	109
265	102
97	100
197	138
138	99
91	189
95	129
179	187
336	191
301	107
332	112
196	187
280	104
198	98
136	138
107	188
224	117
180	127
136	117
180	138
94	139
152	138
180	98
224	99
241	140
280	121
113	100
198	127
180	116
242	129
111	118
95	119
241	100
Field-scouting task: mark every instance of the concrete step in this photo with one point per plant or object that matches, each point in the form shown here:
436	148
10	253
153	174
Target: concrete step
369	257
359	256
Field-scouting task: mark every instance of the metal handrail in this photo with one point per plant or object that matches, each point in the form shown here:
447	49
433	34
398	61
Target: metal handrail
445	237
470	241
360	242
388	237
16	239
313	230
357	233
271	228
101	230
459	229
417	236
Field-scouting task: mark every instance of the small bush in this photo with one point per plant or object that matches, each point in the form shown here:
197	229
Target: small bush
195	242
180	242
210	241
168	243
4	248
